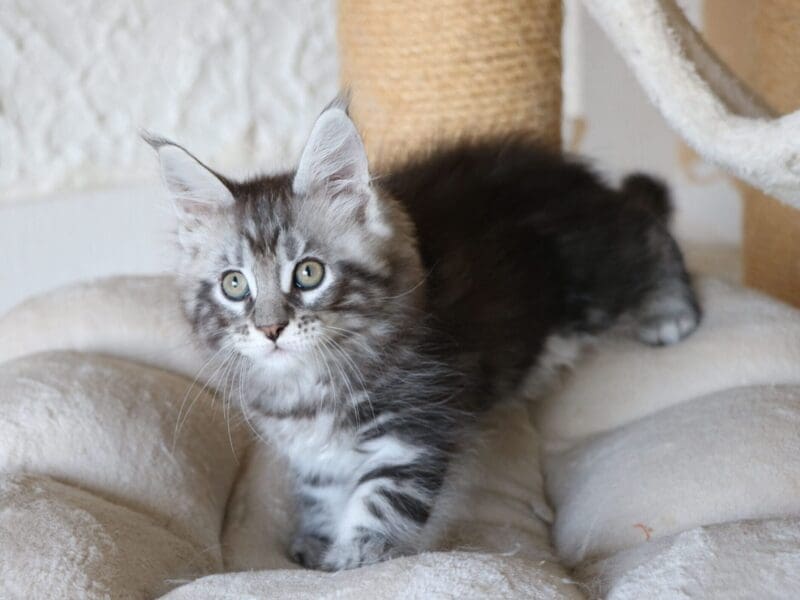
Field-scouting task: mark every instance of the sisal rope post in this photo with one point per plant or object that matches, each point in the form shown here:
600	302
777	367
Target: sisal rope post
421	72
759	41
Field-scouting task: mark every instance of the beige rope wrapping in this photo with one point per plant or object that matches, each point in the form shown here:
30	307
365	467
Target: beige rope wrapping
425	70
761	42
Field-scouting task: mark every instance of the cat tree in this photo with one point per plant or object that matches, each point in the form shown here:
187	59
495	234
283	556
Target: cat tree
430	70
759	41
421	71
673	470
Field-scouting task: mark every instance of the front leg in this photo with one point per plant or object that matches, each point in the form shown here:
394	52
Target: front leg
386	513
317	503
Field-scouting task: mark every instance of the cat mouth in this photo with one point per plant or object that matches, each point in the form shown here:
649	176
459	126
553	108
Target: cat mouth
279	352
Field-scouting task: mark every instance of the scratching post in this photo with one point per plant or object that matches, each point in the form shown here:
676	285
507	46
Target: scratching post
422	71
425	71
759	40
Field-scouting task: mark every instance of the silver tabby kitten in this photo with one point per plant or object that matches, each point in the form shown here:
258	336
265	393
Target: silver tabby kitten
379	315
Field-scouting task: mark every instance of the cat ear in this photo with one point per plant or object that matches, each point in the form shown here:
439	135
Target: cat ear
195	188
334	158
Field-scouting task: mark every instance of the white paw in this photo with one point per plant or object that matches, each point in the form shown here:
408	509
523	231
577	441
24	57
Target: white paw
663	330
365	550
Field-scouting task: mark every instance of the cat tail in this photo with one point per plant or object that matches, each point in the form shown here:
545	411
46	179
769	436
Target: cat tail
649	194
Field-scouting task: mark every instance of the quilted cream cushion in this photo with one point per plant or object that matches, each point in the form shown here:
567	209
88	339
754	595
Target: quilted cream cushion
98	494
673	471
105	496
657	473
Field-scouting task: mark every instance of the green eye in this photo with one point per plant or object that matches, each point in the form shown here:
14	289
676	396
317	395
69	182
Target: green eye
234	285
308	274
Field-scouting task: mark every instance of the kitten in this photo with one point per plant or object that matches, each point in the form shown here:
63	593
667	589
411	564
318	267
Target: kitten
377	316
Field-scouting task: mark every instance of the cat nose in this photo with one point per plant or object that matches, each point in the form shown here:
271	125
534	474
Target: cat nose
273	331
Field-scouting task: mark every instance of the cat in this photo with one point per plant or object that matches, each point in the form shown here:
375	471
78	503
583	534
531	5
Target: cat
376	315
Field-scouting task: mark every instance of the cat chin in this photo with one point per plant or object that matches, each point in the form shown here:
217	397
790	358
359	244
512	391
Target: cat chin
278	360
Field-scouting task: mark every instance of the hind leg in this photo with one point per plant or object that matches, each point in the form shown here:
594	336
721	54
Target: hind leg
667	316
625	266
669	311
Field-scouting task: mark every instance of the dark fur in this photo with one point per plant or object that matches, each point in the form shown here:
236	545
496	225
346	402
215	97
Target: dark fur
520	244
516	245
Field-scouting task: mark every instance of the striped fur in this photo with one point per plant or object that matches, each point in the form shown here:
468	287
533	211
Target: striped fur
443	282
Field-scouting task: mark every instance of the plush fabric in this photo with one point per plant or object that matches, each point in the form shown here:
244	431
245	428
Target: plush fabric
736	560
744	339
130	317
722	457
699	97
112	500
669	471
433	575
106	427
669	468
58	541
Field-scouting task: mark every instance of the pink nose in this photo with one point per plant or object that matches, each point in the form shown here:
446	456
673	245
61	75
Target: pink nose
273	331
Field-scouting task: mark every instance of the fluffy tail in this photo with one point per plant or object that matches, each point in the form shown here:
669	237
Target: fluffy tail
648	193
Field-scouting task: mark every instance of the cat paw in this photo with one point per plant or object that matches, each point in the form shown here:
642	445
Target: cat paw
308	550
668	328
365	550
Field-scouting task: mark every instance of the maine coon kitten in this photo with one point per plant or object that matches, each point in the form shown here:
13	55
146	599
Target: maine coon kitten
377	315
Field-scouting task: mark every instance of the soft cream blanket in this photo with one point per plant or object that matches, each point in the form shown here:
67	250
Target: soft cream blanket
672	472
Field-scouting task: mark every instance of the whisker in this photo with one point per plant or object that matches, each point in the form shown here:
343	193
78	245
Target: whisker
204	366
227	399
355	336
222	365
331	381
243	408
332	345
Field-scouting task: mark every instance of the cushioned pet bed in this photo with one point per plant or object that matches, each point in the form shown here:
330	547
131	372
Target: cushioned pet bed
651	472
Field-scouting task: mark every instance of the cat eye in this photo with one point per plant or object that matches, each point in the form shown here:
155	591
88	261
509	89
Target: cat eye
234	285
308	274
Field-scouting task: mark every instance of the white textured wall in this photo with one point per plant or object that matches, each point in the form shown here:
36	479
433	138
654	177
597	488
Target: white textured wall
233	79
239	82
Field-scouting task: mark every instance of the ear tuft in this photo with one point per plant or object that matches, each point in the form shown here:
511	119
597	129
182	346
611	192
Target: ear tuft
334	158
194	187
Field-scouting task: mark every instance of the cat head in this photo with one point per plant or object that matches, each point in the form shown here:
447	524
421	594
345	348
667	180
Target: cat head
299	269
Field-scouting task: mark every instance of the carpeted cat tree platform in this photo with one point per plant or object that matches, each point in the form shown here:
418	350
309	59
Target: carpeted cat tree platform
653	473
